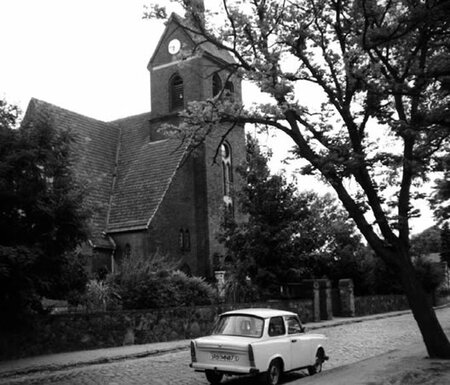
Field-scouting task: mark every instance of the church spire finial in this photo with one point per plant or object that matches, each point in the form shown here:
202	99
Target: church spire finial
196	12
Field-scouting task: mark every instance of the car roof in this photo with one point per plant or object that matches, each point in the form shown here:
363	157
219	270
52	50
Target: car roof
260	312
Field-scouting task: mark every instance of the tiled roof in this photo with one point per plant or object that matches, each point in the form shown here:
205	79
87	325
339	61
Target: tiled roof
93	157
145	171
126	175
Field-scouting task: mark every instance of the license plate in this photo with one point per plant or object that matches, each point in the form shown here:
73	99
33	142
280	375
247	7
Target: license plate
224	357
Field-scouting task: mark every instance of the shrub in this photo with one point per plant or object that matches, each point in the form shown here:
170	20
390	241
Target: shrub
146	283
100	296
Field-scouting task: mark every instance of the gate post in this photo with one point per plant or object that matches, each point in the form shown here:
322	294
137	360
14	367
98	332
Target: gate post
326	307
347	297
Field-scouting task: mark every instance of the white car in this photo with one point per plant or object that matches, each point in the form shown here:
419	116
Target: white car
257	341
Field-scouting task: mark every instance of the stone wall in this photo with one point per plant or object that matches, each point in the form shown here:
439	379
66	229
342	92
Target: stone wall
82	331
375	304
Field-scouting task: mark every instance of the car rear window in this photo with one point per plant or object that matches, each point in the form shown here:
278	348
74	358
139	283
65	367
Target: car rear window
239	325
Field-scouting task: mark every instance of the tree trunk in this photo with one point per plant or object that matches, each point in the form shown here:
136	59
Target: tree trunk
436	341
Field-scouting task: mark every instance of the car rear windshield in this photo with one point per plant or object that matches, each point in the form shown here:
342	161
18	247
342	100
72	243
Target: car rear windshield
239	325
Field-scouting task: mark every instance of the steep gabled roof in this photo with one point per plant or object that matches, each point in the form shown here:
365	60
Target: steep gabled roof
126	175
93	157
197	40
145	171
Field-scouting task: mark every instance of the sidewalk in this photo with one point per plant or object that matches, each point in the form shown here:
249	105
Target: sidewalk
53	362
407	366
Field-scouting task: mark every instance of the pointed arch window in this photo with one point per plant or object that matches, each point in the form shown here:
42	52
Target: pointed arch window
229	86
127	251
216	84
181	239
176	92
187	240
184	240
227	174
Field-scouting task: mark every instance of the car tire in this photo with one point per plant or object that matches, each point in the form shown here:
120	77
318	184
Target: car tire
213	377
317	367
273	374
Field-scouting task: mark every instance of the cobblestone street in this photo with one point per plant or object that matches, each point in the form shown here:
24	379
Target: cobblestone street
347	344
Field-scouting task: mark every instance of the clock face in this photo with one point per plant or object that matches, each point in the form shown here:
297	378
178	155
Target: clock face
174	46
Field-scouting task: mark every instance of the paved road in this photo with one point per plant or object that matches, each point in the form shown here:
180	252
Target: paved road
347	344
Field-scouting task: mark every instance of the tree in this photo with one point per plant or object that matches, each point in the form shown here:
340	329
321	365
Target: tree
43	218
262	247
440	200
445	243
427	242
289	236
328	243
380	65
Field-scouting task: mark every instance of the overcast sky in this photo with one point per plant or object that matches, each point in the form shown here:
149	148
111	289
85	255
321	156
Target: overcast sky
89	56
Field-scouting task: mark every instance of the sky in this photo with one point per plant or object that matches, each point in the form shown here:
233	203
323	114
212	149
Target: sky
91	56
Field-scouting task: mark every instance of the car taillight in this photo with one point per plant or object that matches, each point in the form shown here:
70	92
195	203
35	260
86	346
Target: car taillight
251	356
193	357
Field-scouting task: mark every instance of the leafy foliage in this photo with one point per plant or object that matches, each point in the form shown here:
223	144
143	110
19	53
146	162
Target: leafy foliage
445	244
440	200
427	242
42	216
379	65
152	282
288	236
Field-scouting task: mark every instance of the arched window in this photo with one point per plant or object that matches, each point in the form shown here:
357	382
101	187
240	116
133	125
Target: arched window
184	240
181	239
226	169
229	86
176	93
216	84
127	251
187	240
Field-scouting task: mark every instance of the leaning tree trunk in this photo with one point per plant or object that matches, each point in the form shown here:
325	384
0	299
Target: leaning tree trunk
436	341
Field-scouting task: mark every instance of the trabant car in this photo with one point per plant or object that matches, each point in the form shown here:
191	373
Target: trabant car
266	342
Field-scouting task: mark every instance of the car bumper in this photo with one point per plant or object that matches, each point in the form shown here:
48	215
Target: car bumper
200	367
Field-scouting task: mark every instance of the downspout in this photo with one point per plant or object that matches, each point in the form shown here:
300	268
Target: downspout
113	186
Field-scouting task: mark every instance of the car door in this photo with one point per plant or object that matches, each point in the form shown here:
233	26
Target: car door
299	344
278	341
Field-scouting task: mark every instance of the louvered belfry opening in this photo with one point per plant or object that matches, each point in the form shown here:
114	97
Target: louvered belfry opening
216	84
176	93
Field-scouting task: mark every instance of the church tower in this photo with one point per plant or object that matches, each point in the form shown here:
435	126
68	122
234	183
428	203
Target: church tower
182	69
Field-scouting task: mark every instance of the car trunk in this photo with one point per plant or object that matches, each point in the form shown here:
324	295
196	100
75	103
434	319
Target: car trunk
224	351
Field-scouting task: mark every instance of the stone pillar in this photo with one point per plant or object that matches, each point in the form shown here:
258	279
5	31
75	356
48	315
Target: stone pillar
326	306
347	297
220	279
312	287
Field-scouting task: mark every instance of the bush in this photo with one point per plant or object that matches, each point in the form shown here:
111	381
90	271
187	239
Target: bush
100	296
147	283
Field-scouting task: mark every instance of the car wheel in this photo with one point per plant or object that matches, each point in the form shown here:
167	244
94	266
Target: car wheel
213	377
273	375
317	367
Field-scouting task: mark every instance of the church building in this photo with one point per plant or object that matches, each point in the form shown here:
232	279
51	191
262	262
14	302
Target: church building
148	191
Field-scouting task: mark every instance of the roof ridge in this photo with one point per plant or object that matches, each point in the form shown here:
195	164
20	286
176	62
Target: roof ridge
51	105
120	120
